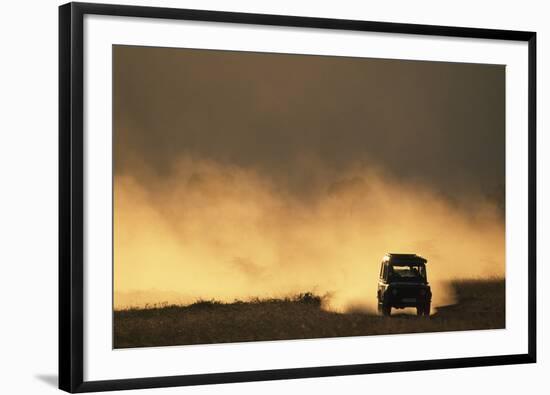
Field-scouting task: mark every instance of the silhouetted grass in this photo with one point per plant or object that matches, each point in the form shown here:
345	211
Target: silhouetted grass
481	305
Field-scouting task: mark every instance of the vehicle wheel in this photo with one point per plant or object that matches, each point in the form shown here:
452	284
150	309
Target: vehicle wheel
427	309
420	310
386	310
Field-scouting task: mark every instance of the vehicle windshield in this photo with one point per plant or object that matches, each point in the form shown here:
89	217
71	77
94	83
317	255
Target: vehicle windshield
407	272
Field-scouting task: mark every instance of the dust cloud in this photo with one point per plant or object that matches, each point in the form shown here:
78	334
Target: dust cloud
225	232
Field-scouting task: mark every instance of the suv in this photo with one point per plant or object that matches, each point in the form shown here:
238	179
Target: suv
403	283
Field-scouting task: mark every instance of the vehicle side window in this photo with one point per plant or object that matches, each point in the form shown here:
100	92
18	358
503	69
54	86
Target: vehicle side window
386	271
423	272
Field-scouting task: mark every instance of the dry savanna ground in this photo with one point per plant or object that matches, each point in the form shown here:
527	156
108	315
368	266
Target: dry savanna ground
480	305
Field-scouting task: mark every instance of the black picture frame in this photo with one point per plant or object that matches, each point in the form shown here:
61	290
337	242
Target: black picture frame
71	181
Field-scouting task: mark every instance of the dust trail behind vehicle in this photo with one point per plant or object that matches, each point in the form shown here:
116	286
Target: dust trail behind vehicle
222	232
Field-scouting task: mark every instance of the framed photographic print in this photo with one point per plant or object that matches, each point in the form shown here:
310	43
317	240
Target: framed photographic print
257	197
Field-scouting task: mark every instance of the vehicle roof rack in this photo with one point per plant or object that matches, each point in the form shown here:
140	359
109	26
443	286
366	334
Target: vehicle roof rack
404	258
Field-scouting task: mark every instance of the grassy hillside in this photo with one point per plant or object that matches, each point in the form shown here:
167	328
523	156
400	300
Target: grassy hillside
480	305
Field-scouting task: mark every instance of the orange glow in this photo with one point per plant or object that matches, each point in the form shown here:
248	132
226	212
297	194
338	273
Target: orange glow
224	232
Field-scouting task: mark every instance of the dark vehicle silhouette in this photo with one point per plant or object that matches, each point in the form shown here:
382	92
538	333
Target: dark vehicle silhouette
404	283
